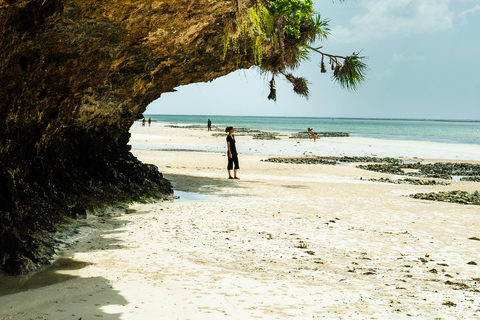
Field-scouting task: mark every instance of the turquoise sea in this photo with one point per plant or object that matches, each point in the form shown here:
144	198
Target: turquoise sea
456	132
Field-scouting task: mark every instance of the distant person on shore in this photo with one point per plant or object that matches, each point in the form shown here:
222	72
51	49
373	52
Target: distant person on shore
232	153
143	122
312	134
209	125
149	121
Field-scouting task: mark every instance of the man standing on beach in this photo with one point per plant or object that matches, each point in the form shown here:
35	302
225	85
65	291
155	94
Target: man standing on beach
209	125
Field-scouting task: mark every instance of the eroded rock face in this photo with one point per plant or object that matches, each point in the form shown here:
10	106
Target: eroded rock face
74	76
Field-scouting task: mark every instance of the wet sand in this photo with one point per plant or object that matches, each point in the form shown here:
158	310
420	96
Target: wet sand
287	241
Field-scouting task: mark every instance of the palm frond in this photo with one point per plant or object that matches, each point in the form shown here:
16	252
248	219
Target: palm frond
322	28
351	73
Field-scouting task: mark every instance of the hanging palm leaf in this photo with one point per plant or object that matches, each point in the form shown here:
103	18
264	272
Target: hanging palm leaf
273	91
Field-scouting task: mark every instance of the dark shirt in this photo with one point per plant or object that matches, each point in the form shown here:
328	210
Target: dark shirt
233	149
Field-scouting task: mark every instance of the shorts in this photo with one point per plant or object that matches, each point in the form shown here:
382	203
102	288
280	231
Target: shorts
232	161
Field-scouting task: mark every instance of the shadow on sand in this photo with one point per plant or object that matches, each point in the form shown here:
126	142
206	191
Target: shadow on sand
58	292
204	185
82	298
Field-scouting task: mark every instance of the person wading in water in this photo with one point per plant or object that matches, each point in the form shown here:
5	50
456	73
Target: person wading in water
232	153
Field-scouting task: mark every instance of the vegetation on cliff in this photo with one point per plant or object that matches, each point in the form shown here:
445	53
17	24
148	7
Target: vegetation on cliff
292	28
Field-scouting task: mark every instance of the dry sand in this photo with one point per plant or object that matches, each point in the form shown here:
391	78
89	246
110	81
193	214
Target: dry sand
285	242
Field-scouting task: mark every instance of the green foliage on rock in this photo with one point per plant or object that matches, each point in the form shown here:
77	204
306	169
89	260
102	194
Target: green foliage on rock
281	34
255	25
294	12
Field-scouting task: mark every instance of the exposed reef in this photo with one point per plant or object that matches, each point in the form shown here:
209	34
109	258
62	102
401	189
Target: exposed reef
461	197
417	182
74	76
439	170
468	171
332	160
266	136
307	135
474	179
302	160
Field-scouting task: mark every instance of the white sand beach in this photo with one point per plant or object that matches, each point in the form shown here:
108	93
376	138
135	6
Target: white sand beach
286	241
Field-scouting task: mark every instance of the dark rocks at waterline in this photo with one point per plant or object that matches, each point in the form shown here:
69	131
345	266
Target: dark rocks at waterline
429	170
461	197
440	170
255	134
369	160
193	126
333	160
388	165
383	168
266	136
333	134
306	135
474	179
305	160
411	181
245	132
300	136
263	135
242	134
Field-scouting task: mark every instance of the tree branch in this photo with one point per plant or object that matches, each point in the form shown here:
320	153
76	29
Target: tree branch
331	56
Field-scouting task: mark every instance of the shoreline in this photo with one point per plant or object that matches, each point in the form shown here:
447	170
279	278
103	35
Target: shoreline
322	118
287	241
155	138
391	129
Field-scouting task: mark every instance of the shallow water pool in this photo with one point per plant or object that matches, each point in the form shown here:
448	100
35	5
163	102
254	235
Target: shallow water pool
184	196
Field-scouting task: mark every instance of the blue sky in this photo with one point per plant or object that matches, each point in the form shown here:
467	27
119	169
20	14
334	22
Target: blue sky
423	59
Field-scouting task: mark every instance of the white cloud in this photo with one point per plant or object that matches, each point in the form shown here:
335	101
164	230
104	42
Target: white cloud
463	15
387	18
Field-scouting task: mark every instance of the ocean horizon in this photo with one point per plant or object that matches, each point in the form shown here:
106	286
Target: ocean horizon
292	117
434	130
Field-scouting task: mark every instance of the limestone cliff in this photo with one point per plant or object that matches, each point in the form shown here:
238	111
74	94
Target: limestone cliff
74	76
